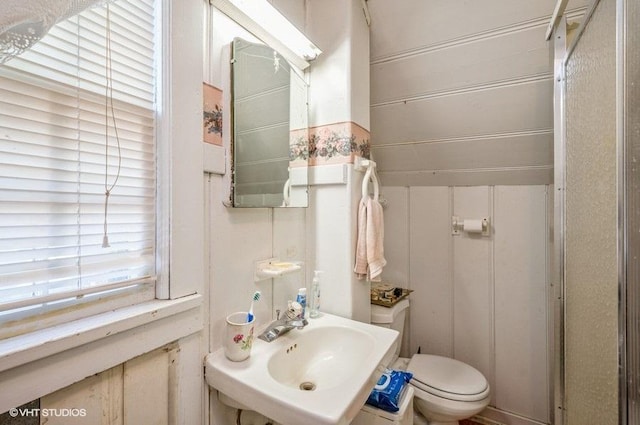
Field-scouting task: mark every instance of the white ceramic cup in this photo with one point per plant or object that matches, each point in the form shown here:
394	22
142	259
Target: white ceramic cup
238	336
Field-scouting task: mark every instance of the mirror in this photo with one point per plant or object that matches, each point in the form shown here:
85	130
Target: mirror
269	122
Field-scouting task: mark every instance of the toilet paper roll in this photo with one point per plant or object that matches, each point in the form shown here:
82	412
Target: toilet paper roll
472	226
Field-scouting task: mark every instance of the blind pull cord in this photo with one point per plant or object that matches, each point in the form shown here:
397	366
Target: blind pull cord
108	107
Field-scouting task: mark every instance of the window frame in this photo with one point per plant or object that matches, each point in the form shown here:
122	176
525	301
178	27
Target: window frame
68	352
79	306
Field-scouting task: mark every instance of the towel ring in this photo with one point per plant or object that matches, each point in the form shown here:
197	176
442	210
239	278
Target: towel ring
370	174
286	193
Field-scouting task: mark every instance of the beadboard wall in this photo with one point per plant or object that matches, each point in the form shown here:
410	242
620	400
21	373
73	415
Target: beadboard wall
461	92
154	388
139	391
480	299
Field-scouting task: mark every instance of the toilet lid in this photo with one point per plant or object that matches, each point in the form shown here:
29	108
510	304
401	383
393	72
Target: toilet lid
447	378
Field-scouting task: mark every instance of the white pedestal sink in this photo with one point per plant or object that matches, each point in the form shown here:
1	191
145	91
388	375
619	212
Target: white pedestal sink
319	375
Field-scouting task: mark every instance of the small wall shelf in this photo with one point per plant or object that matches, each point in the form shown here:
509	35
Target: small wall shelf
268	269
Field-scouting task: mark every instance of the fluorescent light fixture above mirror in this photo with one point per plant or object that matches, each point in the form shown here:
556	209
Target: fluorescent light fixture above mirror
265	22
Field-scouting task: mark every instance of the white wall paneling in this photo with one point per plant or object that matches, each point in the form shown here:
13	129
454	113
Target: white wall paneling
338	93
329	94
100	396
411	25
183	129
486	176
239	237
396	229
96	345
461	93
397	249
430	266
473	337
289	242
496	110
326	250
339	90
482	300
480	123
294	10
491	152
213	159
141	390
464	65
146	388
430	163
331	229
359	74
522	348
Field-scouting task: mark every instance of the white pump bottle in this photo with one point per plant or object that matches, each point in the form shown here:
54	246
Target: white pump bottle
314	306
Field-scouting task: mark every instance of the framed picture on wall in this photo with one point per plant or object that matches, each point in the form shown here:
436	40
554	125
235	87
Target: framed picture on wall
212	114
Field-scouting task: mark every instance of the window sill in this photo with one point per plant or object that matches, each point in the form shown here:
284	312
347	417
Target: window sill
43	361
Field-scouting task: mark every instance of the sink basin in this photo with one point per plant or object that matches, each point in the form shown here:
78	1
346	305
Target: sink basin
322	358
321	374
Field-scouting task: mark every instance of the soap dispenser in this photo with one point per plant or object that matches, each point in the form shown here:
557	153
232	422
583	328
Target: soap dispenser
314	306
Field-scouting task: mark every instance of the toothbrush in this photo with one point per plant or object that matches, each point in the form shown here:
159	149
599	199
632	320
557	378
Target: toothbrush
256	297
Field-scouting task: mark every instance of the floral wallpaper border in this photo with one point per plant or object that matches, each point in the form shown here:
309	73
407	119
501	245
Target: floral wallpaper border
211	114
337	143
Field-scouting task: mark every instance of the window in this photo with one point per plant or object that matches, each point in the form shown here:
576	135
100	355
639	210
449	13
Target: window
56	162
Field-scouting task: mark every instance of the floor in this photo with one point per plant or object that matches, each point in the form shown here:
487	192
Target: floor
421	420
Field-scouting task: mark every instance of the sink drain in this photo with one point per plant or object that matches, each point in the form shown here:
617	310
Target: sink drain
307	386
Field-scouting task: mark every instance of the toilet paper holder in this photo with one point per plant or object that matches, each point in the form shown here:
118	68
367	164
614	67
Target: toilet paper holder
478	226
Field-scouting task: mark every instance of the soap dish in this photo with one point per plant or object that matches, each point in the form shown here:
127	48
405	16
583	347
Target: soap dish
268	269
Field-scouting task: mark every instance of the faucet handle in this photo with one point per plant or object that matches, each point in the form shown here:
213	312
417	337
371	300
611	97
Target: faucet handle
277	314
294	310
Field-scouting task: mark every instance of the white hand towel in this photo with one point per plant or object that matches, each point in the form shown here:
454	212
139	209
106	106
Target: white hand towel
375	240
361	242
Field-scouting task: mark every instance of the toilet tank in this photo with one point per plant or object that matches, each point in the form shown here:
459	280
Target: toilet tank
391	317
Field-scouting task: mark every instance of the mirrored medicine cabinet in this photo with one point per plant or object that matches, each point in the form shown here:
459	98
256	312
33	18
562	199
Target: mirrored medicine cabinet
269	140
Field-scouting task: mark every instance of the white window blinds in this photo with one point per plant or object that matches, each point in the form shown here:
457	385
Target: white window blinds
53	165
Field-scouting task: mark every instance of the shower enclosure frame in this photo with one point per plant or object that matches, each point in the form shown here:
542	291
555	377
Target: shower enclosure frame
628	139
627	116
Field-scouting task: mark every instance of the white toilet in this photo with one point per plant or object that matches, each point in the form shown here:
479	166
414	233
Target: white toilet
445	390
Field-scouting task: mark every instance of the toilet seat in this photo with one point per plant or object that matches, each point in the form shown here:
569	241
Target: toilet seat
447	378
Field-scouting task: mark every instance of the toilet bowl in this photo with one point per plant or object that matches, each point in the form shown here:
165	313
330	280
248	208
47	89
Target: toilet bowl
445	390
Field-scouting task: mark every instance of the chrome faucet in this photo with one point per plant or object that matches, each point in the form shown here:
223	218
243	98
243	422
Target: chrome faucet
292	319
